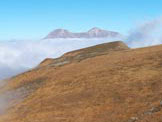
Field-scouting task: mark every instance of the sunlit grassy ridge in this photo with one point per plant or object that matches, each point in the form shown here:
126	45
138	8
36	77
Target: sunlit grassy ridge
117	84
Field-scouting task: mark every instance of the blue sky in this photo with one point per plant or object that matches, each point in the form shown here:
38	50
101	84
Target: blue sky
33	19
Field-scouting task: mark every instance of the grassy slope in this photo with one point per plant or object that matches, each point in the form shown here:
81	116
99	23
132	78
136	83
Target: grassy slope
109	88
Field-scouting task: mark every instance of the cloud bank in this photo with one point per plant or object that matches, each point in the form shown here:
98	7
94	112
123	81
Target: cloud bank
19	56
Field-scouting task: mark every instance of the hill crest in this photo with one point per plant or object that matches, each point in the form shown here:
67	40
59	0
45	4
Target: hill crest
89	52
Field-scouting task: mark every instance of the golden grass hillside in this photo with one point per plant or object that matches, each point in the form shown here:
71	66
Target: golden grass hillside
104	83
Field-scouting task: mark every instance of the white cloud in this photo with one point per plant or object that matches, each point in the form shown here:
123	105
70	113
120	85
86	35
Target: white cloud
146	34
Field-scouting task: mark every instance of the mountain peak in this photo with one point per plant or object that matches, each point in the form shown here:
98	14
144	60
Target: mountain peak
95	30
92	33
58	33
61	30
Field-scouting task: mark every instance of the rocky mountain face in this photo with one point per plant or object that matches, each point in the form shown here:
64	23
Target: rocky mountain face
103	83
93	33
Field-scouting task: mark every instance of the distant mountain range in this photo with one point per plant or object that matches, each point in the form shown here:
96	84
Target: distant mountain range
92	33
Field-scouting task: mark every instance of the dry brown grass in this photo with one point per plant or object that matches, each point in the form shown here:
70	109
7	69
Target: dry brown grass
113	87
